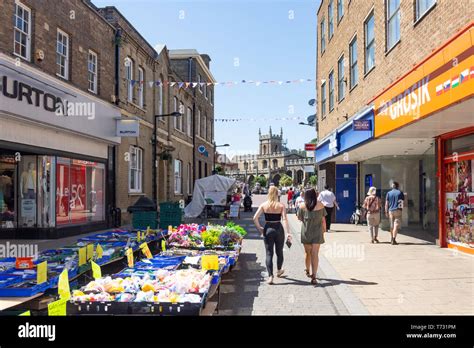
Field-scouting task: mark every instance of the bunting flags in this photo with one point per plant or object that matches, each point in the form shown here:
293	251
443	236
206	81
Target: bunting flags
255	119
188	84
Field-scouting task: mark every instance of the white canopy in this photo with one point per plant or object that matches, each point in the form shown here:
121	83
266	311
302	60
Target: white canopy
213	183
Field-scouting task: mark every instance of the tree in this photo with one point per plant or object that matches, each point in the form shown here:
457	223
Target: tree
262	181
286	180
313	180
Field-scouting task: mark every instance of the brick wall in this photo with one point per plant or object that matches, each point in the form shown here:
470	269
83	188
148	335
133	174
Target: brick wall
416	42
87	30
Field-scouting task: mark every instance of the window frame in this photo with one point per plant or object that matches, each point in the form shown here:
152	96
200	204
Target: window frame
175	108
417	16
388	20
339	16
189	119
331	90
129	77
136	172
340	80
353	64
178	189
323	35
22	32
323	100
95	89
182	111
65	57
141	89
330	20
367	44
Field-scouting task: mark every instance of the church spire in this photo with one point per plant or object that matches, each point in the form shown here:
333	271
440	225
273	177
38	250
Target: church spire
281	132
270	131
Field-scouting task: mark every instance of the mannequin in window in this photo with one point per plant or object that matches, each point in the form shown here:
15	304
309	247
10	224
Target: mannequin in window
28	183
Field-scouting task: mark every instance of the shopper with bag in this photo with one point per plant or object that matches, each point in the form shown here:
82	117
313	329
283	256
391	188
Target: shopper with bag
312	215
372	206
274	231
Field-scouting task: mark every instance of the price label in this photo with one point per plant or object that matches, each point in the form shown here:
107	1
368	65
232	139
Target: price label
138	237
82	256
163	245
210	262
25	314
146	250
63	285
42	272
100	251
96	271
57	308
148	230
90	251
129	254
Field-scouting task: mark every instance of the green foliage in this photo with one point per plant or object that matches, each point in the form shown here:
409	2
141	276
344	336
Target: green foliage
239	229
262	180
313	180
286	180
211	237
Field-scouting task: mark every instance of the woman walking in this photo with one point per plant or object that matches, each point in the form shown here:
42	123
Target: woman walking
372	205
273	232
312	215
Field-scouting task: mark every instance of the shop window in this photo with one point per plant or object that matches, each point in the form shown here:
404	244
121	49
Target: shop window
62	54
178	177
22	31
8	184
46	192
80	193
392	24
28	191
459	145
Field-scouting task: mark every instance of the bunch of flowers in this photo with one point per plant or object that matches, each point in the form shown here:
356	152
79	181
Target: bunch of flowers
187	236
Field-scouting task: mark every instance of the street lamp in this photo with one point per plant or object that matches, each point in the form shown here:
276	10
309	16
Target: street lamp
155	163
214	157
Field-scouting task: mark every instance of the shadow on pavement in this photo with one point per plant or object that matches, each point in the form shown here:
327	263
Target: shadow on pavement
240	287
332	282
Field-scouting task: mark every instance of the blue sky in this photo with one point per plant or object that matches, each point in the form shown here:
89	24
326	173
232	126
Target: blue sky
270	40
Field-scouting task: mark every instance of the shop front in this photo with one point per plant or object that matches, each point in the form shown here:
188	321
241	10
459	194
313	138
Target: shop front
424	138
337	168
55	163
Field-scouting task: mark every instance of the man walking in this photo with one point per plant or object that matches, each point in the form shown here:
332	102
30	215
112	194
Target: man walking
393	210
328	199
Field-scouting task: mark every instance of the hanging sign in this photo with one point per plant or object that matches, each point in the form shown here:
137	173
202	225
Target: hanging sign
128	128
201	149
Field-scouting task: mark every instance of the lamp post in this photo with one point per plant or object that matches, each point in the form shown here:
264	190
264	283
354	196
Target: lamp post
154	163
214	156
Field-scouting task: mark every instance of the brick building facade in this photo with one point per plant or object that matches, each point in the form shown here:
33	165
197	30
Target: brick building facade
392	97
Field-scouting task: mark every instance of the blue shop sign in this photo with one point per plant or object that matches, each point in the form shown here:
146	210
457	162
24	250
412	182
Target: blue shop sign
346	138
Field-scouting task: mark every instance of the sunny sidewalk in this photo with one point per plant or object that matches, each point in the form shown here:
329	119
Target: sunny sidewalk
414	277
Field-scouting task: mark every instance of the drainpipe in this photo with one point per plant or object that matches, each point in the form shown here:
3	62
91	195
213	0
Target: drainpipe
118	38
190	64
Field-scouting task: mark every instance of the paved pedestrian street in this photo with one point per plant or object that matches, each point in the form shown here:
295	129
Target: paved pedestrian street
355	277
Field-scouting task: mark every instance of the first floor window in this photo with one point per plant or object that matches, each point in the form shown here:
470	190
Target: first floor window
92	71
340	79
369	43
392	26
353	62
323	100
178	177
22	31
62	54
331	91
129	78
135	170
141	78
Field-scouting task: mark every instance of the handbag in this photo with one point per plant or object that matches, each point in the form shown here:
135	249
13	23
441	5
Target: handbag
288	242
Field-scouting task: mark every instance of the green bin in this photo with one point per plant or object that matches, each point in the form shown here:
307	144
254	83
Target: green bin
170	214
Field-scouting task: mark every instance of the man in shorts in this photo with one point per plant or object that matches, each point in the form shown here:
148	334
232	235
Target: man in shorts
393	210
